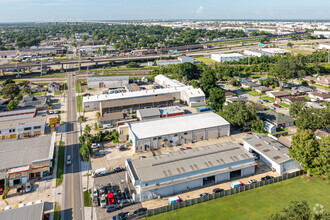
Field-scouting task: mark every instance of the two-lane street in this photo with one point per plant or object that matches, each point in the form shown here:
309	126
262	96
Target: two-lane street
72	189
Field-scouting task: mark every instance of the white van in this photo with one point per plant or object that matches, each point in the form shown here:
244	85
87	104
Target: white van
99	172
68	160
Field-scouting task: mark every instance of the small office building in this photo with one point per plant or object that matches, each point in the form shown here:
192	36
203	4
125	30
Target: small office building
148	114
131	105
110	118
173	131
25	159
169	174
107	81
227	57
272	152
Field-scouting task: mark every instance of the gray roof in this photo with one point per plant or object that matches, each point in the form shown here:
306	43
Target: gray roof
189	161
107	78
275	117
14	123
149	112
262	88
280	93
302	89
23	152
269	147
33	212
112	116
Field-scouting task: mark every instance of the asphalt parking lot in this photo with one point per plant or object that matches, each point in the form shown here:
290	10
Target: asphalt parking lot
114	179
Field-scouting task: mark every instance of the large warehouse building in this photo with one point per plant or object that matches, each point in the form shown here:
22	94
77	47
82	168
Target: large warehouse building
107	82
154	134
169	174
272	152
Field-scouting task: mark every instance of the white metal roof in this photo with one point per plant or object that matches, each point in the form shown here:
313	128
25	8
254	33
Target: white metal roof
178	124
107	78
231	55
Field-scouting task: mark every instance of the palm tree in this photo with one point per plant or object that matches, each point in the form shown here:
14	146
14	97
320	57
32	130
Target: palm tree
87	130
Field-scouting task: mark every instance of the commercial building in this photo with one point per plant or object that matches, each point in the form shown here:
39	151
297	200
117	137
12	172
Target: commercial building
107	81
132	87
171	111
324	33
275	51
173	173
156	113
18	114
25	159
187	94
257	53
167	82
272	152
33	212
181	59
227	57
110	118
173	131
324	46
22	128
131	105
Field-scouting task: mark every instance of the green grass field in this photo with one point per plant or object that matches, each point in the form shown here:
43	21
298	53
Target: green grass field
254	93
79	103
60	165
257	203
206	60
268	98
87	198
284	105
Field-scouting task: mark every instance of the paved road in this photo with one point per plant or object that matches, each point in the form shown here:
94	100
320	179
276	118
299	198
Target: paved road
72	187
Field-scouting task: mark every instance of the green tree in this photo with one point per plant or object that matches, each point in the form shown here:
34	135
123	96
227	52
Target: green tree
240	114
7	81
296	108
257	125
216	99
296	211
208	81
133	65
305	150
59	118
289	44
12	104
188	71
87	130
323	160
85	150
194	83
10	90
85	38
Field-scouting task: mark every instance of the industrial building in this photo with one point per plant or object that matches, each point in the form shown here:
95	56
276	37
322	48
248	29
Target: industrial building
107	82
33	212
257	53
187	94
272	152
131	105
228	57
173	131
25	159
275	51
176	172
156	113
18	114
181	59
22	128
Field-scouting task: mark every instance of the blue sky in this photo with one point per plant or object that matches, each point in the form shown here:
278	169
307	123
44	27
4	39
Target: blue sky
48	10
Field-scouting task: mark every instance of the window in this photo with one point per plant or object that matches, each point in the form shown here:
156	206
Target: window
154	139
185	133
159	138
27	129
175	135
37	127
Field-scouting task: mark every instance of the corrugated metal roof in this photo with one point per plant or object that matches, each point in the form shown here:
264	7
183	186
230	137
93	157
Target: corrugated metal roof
31	212
177	163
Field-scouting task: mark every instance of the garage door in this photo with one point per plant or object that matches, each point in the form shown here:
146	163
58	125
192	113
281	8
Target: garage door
180	187
13	136
195	183
199	136
212	133
223	132
164	191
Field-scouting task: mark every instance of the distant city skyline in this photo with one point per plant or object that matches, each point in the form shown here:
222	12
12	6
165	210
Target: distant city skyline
50	10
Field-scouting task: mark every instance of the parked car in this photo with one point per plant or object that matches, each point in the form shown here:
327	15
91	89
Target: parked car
103	201
99	172
266	178
188	148
182	149
55	111
21	205
122	148
102	189
141	157
125	203
94	146
118	169
29	203
121	216
140	211
68	160
260	102
119	196
203	194
95	201
127	194
111	198
95	192
276	105
109	188
7	208
112	207
265	100
252	181
217	190
107	126
51	111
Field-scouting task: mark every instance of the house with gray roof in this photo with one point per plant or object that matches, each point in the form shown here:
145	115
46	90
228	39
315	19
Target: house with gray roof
277	119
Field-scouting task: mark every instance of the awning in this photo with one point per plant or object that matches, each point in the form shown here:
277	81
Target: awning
18	169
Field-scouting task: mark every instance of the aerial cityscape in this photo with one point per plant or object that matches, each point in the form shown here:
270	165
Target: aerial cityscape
164	110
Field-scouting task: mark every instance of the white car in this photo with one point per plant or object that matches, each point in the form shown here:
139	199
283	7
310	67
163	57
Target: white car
55	111
51	112
94	146
107	126
21	205
28	187
252	181
7	208
38	201
29	203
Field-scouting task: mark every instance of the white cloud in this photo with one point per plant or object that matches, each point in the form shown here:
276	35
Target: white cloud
200	10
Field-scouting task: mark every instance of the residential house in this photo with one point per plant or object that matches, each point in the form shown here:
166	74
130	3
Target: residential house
285	141
262	89
322	96
278	95
301	90
269	127
250	85
323	80
291	99
132	87
321	133
277	119
314	105
37	88
54	86
39	102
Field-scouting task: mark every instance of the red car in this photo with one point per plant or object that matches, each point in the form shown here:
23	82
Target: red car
111	199
276	105
188	148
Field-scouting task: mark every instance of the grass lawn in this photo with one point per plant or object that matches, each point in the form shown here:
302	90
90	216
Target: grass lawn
79	103
308	98
256	76
281	131
254	93
322	87
40	93
87	198
57	211
268	98
60	165
59	92
284	104
257	203
303	52
206	60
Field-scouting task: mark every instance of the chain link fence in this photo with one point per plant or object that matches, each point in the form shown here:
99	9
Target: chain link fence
228	192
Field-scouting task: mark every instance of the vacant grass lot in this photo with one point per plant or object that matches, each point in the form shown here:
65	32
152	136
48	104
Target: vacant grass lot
206	60
254	93
284	104
257	203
